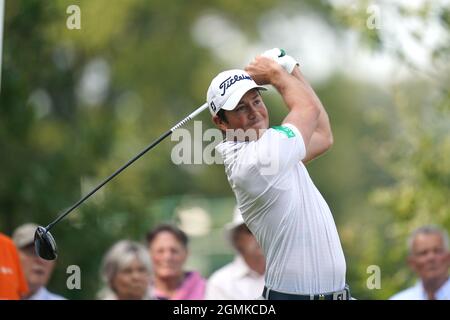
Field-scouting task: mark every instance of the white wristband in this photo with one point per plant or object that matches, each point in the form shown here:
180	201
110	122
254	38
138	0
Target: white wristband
287	62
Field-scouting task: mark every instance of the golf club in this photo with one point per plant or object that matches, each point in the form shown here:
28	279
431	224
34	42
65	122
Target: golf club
44	242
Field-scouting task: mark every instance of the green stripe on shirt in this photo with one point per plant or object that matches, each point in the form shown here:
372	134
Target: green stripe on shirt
286	130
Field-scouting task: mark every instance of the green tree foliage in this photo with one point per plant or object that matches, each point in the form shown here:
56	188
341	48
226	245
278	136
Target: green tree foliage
409	143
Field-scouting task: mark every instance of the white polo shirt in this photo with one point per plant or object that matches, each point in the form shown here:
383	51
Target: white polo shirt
284	210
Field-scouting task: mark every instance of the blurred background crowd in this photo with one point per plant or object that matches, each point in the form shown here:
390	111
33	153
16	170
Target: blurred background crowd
75	104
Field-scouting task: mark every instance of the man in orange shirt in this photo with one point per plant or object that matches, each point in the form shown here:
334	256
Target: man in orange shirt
13	285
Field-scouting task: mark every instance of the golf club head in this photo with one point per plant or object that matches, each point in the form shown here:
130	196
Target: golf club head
45	244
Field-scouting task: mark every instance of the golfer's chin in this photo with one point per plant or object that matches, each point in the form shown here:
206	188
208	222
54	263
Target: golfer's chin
250	132
259	127
257	124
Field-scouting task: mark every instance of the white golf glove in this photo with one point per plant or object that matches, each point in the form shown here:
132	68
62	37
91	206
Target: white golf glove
279	55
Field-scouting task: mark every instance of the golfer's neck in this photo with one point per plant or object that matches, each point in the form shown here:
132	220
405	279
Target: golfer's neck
244	136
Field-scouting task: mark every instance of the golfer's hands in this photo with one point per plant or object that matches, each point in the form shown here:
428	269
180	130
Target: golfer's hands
278	55
264	70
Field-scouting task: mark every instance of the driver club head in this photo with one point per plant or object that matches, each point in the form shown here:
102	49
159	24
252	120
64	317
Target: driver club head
45	244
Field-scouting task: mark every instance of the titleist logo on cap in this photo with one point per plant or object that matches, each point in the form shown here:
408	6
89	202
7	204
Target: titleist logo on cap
232	80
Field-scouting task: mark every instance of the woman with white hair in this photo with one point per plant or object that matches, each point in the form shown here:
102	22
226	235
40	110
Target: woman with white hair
126	271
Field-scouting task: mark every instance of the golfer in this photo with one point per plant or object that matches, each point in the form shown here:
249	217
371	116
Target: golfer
266	170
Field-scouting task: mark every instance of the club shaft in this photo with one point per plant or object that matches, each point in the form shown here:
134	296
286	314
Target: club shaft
126	165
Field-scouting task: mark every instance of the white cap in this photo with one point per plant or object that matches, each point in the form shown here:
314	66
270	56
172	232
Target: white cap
227	88
236	222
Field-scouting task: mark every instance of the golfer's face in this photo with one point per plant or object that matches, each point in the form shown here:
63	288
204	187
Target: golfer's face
430	260
249	114
168	255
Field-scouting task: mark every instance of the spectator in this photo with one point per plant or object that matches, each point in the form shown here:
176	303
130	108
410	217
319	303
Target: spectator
13	284
429	258
37	270
168	249
126	271
242	279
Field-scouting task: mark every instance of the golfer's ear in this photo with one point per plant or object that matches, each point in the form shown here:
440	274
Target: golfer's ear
219	123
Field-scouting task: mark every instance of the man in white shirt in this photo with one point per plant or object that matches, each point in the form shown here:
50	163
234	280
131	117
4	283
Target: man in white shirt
265	168
37	270
429	258
243	278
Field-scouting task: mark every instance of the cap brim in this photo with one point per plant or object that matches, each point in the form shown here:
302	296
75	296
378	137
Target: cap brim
234	99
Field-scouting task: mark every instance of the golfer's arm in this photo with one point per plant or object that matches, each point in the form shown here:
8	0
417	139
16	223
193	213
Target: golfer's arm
322	137
304	111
